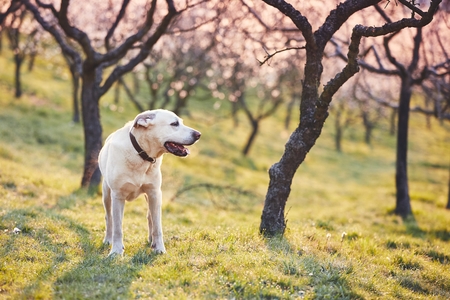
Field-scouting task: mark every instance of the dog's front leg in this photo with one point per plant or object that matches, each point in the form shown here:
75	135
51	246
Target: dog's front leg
118	205
155	234
108	213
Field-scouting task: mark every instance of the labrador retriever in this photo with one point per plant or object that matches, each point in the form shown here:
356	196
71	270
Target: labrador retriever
130	163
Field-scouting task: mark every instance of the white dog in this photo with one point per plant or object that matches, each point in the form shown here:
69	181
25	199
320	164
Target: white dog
130	163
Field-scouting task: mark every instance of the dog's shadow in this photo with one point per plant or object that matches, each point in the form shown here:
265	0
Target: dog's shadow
102	276
76	263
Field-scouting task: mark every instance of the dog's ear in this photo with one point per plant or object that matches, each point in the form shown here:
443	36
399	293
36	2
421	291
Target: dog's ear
144	119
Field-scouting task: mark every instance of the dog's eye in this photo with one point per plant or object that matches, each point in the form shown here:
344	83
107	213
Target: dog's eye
175	124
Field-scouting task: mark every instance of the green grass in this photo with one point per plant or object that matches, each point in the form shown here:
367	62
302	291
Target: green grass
342	240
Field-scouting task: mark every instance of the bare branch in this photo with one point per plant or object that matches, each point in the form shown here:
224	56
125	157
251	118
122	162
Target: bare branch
415	58
363	64
212	186
300	21
122	50
15	5
269	56
145	50
360	31
412	7
216	17
382	13
65	47
339	16
116	23
130	95
260	21
48	6
79	36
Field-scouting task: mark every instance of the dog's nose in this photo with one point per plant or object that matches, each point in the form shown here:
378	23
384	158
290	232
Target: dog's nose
196	135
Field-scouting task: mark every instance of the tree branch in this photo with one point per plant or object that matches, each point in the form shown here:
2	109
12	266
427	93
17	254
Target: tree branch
79	36
339	16
122	50
48	6
269	56
260	21
116	23
300	21
412	7
382	13
145	50
416	48
360	31
15	5
65	47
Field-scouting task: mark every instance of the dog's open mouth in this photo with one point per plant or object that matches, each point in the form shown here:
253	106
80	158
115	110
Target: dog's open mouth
176	149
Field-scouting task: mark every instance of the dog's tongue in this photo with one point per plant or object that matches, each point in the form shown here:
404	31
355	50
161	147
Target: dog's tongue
176	149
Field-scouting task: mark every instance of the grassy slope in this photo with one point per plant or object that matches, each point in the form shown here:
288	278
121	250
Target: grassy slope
214	249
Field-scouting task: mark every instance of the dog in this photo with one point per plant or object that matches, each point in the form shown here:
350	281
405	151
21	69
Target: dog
130	162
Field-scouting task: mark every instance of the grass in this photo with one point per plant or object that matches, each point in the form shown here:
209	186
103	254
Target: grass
342	241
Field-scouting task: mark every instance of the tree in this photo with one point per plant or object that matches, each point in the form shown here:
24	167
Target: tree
267	95
314	105
237	77
17	26
178	69
93	55
412	70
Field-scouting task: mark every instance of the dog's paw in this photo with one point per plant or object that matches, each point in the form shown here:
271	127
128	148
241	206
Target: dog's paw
159	249
116	251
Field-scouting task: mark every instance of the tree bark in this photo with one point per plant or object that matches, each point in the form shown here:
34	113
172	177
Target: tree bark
75	98
300	142
90	97
403	205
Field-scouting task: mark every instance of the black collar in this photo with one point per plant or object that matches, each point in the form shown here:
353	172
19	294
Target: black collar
140	151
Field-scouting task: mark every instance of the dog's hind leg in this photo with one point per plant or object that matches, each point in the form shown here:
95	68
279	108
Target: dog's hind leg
108	216
149	221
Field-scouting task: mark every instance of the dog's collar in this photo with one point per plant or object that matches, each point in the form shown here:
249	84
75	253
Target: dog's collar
140	151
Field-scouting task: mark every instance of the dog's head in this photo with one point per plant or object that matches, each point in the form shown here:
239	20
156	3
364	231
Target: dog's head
163	128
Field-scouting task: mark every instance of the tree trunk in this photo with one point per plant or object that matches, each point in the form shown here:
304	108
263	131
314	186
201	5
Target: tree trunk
31	61
338	132
312	118
117	92
368	135
368	126
251	138
90	97
76	105
403	205
448	197
392	122
18	59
